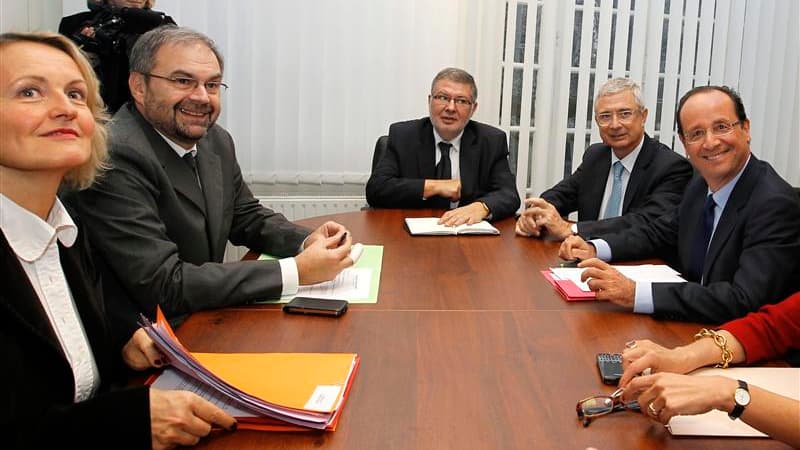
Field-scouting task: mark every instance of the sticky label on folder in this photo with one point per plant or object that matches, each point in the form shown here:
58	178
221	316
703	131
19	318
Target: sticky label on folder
323	398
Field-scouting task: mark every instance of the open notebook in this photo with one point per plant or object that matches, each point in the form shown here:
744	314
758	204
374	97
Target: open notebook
429	226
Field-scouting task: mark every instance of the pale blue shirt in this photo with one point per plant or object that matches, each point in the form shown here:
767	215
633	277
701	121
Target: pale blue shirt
290	278
643	297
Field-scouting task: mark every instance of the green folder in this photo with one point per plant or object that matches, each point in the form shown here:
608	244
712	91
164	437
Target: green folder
371	258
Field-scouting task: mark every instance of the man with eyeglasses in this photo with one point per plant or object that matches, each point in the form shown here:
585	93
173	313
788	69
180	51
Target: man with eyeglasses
735	235
446	160
628	179
174	196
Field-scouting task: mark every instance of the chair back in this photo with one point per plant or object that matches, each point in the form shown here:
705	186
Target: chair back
380	150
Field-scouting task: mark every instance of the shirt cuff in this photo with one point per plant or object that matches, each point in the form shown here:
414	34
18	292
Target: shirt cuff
643	298
602	249
289	276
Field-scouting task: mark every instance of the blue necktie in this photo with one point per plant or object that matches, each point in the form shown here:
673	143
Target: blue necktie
615	199
701	239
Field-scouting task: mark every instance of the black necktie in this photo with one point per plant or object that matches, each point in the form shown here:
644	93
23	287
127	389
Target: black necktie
190	161
701	238
443	171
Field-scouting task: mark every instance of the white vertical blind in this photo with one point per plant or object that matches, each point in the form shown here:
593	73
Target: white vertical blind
313	83
31	15
583	73
601	71
651	77
621	41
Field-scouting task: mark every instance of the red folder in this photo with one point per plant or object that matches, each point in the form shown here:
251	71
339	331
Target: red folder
567	289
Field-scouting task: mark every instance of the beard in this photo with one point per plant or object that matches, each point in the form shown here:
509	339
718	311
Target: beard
172	121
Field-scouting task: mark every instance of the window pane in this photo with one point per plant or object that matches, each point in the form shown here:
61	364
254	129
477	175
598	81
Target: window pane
538	34
533	98
573	100
590	103
568	155
519	35
530	160
505	33
502	81
595	34
516	98
576	39
630	44
659	103
513	150
613	39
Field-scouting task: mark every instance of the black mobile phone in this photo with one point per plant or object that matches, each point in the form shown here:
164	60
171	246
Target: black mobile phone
610	366
316	306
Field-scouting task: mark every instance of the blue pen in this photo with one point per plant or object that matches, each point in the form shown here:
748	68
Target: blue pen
573	263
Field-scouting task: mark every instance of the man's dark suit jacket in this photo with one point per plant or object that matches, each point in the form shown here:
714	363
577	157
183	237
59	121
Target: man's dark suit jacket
654	188
37	408
752	259
399	179
161	239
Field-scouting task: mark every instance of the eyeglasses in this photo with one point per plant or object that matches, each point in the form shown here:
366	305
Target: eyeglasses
443	100
190	84
599	405
624	116
718	129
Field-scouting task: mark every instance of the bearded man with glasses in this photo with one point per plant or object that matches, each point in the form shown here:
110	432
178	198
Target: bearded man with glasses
628	179
174	196
446	160
735	235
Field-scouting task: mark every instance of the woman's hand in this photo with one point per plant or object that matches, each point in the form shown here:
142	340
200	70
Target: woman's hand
183	418
140	352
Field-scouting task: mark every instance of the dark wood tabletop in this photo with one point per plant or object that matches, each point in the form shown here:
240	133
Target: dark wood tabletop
468	347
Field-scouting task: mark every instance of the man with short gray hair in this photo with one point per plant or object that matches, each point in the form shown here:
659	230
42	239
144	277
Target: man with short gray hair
447	160
627	179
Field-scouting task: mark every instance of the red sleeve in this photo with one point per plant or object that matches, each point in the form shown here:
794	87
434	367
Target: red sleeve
769	333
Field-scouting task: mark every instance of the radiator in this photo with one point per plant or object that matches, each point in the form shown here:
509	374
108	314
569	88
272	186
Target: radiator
296	208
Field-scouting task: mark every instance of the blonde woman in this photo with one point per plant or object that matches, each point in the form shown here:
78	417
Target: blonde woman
57	347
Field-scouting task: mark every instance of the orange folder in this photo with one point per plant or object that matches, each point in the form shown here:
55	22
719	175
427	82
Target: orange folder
314	384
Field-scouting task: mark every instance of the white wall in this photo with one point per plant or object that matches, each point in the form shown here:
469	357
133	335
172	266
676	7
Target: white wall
18	15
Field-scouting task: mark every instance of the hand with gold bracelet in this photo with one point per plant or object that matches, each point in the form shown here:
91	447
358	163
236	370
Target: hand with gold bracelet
664	392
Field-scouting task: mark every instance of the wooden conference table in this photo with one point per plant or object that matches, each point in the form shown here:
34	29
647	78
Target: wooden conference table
468	347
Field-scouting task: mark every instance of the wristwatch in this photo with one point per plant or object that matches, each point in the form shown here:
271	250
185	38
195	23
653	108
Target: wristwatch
741	396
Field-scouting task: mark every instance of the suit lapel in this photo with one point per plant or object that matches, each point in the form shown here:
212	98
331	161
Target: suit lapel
84	295
597	174
21	300
730	215
639	172
426	156
210	170
180	174
468	162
